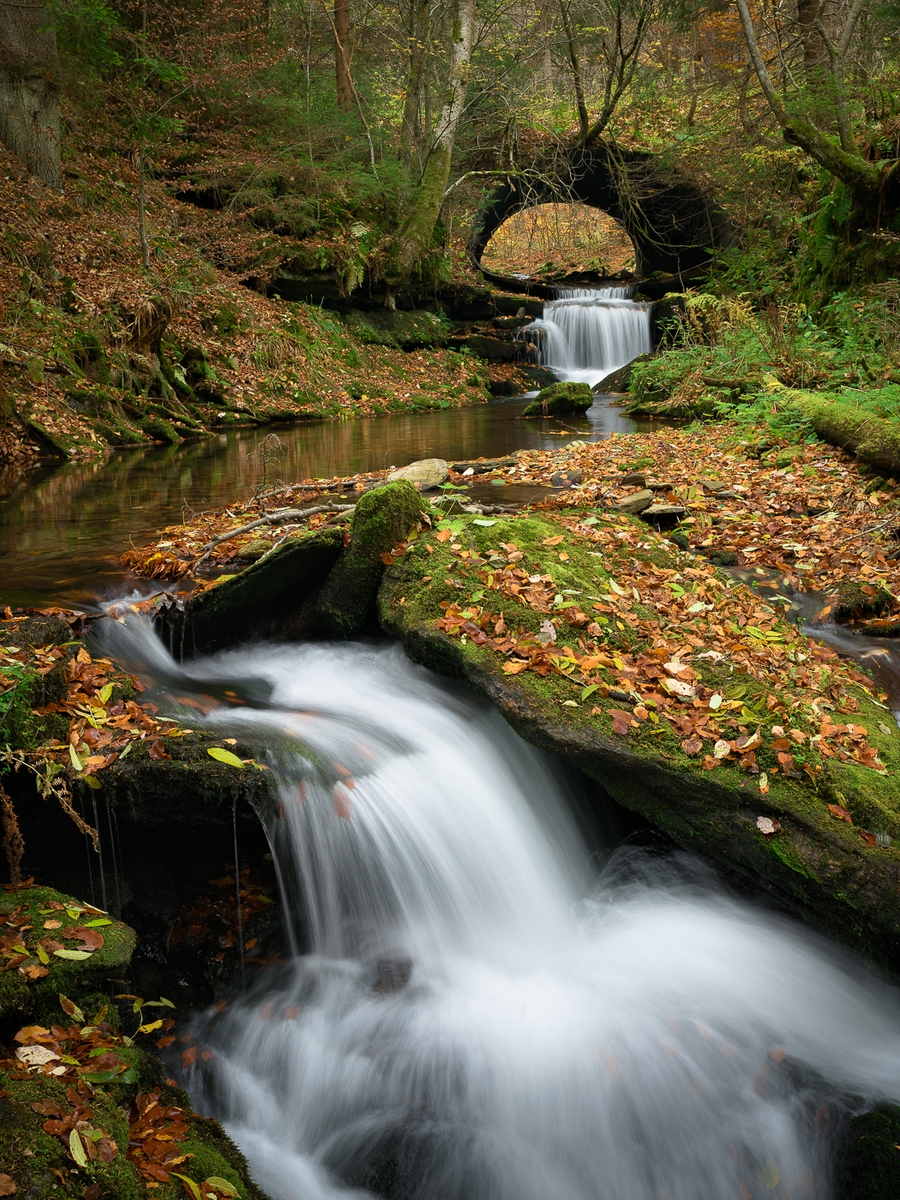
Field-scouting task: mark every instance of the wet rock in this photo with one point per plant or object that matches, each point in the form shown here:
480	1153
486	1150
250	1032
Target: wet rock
636	502
38	630
566	479
617	381
382	518
257	602
860	598
560	398
426	472
481	466
392	973
663	515
722	558
868	1165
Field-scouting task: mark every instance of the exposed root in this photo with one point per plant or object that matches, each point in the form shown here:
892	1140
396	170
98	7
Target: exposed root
13	842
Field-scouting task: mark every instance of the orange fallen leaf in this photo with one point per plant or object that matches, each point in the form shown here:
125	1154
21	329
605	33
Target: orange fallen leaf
841	813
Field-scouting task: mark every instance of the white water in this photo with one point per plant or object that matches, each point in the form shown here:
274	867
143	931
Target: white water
589	332
547	1046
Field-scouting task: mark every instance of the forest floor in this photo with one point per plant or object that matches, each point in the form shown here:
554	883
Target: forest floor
97	352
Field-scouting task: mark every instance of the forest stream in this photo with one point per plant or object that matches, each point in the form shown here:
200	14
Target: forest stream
488	993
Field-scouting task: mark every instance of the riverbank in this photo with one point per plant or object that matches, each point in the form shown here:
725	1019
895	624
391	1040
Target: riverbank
98	352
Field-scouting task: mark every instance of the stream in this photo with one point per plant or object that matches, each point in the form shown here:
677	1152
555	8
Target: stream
485	997
478	1006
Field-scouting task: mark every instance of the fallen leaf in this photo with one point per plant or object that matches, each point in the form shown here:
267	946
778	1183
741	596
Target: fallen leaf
841	813
225	756
7	1185
767	826
554	541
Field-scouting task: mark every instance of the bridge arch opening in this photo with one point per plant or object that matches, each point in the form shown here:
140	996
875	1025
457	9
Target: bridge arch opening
553	240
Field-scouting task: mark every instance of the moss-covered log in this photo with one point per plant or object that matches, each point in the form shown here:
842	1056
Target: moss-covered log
872	439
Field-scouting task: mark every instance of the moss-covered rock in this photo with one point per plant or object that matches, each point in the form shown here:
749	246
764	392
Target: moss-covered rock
258	601
560	398
406	330
382	519
817	863
24	989
868	1166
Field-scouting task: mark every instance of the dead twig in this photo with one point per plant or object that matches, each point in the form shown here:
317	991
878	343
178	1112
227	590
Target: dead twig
275	518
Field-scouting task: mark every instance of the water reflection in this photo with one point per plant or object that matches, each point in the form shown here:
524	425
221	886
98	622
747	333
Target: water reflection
63	529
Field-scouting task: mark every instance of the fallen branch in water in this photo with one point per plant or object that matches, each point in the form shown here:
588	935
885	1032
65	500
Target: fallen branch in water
275	518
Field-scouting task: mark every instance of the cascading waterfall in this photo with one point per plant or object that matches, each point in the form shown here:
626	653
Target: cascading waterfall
462	1023
586	333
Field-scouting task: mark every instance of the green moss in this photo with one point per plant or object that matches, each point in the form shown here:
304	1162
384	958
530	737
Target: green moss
560	398
20	995
818	863
868	1166
382	518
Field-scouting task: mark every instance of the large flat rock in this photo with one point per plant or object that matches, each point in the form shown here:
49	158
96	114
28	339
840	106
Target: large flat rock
646	668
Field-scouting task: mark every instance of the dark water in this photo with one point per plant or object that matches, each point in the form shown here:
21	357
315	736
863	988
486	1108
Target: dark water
63	529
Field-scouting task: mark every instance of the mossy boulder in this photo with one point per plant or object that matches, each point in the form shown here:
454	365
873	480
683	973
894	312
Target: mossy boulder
382	519
260	599
832	872
868	1166
24	991
406	330
560	398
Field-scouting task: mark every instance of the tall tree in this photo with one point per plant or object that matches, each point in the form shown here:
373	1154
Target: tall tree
413	241
29	88
342	54
411	130
874	186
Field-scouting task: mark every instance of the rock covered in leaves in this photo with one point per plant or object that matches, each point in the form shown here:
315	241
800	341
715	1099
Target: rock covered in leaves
51	943
83	1106
682	691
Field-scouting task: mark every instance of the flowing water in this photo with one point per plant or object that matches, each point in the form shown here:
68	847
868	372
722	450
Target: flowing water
472	1011
587	333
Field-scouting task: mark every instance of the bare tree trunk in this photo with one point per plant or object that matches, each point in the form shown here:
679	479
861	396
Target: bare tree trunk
29	92
545	24
142	209
814	56
342	55
577	77
414	239
411	132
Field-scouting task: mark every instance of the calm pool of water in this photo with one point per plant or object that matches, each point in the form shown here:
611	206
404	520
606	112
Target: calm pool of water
63	528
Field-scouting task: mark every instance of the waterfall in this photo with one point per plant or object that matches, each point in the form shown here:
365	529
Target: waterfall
472	1011
586	333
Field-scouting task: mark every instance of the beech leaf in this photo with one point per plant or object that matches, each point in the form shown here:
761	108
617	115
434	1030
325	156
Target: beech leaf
225	756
